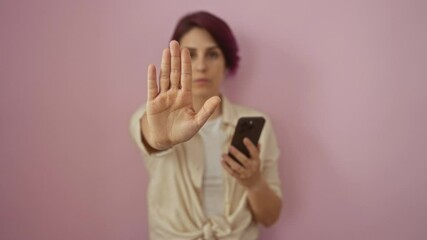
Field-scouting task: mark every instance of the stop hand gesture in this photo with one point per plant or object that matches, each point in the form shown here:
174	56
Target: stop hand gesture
170	117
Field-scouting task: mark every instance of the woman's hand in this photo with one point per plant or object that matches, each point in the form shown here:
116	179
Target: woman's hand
248	174
170	117
265	205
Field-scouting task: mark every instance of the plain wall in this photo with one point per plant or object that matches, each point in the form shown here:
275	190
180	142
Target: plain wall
343	81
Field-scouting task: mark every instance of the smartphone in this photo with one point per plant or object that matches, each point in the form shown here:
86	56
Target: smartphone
250	127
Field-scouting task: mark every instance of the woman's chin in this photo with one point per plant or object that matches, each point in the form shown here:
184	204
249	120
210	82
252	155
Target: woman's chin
204	93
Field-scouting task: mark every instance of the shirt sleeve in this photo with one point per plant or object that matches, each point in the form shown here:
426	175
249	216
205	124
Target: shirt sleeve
269	155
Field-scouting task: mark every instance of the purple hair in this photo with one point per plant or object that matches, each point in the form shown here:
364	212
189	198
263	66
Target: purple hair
219	30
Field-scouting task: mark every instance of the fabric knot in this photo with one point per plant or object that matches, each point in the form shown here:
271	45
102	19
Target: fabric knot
207	231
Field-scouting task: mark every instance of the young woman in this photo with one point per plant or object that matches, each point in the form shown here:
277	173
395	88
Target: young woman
196	191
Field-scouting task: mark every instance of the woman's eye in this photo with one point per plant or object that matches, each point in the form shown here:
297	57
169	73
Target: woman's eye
193	55
213	55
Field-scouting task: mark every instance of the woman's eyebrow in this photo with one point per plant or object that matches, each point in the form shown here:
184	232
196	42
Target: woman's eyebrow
195	49
213	47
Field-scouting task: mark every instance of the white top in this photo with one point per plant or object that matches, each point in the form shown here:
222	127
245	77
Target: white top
213	185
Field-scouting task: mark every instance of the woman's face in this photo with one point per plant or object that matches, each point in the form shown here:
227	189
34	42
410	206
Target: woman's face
207	61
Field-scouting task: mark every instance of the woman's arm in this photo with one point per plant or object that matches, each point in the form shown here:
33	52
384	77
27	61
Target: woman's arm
263	201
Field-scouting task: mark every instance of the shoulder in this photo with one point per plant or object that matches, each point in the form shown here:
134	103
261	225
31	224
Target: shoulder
237	111
246	111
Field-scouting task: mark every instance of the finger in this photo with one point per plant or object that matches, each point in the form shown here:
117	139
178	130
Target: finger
207	110
152	90
234	165
175	64
165	69
253	150
243	162
229	170
186	80
239	155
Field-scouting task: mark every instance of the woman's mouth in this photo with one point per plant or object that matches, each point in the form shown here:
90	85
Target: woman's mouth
201	80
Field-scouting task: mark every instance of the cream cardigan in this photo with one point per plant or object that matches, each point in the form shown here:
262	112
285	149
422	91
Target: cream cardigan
175	179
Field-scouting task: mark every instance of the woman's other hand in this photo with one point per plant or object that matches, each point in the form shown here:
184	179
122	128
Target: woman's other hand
265	205
248	173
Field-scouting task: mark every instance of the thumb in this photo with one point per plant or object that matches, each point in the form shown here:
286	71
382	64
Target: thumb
207	110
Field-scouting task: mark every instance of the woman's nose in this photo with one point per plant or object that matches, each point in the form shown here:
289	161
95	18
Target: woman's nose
200	65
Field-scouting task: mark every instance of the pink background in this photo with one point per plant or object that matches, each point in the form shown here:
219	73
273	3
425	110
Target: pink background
343	81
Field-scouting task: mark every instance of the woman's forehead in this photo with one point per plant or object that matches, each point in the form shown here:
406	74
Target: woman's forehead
198	38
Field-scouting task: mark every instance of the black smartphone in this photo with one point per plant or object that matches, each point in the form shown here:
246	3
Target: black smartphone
250	127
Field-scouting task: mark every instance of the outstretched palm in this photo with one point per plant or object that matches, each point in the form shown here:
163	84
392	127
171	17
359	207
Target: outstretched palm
170	116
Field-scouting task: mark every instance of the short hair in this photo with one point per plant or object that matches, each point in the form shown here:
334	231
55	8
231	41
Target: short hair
218	29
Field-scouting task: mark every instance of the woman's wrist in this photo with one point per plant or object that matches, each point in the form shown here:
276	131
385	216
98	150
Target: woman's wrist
256	184
151	145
